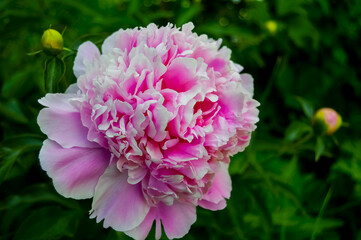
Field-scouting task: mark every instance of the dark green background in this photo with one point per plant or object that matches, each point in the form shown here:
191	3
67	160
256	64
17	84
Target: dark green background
279	190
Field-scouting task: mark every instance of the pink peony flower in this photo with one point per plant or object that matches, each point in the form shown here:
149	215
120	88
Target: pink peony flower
148	129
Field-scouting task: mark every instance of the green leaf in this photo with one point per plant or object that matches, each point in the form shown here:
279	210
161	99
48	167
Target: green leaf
252	160
81	7
305	224
352	147
350	167
15	85
289	192
160	14
188	14
320	214
285	7
261	204
13	217
23	141
290	170
47	223
238	165
302	32
133	7
325	6
7	163
306	107
340	55
53	73
296	130
11	110
319	148
14	147
35	194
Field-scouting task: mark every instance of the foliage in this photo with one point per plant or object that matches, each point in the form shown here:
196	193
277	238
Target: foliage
305	59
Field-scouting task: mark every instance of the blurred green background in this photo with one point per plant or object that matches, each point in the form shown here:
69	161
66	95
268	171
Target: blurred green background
303	55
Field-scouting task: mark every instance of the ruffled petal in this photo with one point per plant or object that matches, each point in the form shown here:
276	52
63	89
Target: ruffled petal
75	171
220	189
86	52
121	205
122	39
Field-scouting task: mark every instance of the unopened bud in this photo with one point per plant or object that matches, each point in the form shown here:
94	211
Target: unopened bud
327	121
52	42
271	26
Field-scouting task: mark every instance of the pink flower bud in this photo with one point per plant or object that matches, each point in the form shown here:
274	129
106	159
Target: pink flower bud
327	120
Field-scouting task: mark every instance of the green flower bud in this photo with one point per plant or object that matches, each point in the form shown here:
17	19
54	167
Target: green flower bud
271	26
52	42
327	121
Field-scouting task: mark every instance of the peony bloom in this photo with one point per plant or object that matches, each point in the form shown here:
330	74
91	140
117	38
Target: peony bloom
148	129
327	121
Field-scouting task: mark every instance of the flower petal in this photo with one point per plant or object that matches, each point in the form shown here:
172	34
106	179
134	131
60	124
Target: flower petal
121	205
64	127
211	205
86	52
75	171
220	189
62	102
177	219
141	232
247	82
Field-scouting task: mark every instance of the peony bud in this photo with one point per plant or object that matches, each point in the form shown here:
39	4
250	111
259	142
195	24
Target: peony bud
327	121
271	26
52	42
